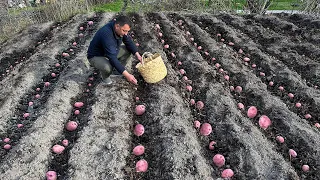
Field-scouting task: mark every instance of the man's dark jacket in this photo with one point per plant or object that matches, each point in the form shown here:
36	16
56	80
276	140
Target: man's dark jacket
107	43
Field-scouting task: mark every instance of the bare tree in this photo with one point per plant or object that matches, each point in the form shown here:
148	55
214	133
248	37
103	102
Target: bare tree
258	6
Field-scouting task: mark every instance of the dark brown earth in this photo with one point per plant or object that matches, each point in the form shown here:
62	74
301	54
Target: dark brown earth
286	48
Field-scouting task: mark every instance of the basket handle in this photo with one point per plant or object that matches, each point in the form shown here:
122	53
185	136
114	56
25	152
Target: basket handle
145	55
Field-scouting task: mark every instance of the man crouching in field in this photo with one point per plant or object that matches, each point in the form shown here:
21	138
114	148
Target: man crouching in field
105	51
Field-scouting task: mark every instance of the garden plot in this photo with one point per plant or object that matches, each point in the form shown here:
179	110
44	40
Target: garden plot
240	101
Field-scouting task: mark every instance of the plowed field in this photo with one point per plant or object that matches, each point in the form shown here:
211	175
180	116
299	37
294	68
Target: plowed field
271	62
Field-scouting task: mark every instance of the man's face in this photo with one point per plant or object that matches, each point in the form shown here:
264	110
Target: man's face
122	30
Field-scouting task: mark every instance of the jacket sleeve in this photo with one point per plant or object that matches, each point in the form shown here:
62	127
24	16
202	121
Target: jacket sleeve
129	44
109	47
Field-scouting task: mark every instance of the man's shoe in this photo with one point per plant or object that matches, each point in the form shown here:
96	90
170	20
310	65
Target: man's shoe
107	81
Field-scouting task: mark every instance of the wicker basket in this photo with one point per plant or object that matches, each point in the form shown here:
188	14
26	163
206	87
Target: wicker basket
152	68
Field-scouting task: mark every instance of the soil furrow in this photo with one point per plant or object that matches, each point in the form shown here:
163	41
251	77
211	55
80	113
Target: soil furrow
30	158
109	124
173	151
305	21
284	28
30	41
295	33
252	152
275	71
34	73
306	67
79	115
24	115
298	134
105	142
225	122
308	27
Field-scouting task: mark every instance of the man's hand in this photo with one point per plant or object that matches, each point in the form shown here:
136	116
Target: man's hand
130	77
138	56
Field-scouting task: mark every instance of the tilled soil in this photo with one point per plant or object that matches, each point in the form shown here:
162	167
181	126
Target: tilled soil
283	49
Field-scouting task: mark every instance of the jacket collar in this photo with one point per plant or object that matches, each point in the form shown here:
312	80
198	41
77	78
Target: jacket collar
114	31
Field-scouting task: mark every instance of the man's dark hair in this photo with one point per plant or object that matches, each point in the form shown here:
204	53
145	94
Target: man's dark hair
122	20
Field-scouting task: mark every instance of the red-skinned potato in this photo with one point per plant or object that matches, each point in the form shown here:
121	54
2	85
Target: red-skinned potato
292	153
138	150
76	112
65	142
252	112
227	173
280	139
307	116
305	168
78	104
140	109
58	149
51	175
139	130
196	124
189	88
240	106
205	129
185	78
211	145
141	166
218	160
291	95
246	59
271	83
192	101
200	105
25	115
264	122
71	125
7	146
238	89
